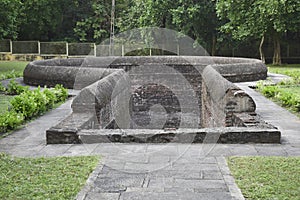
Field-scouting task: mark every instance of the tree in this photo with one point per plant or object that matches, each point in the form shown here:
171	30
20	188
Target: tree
195	18
95	25
260	19
146	13
198	19
39	19
9	12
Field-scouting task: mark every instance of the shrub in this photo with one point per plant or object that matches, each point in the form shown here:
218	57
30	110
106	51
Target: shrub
11	74
279	92
10	121
2	88
287	99
269	91
13	88
41	101
30	104
297	105
25	103
51	98
61	93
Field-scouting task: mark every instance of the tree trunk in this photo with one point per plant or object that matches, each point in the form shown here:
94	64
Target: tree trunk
214	45
277	53
261	51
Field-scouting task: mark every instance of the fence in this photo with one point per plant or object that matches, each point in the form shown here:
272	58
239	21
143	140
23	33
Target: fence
66	49
47	48
290	52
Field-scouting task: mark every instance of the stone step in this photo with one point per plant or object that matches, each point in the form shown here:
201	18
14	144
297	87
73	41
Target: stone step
230	135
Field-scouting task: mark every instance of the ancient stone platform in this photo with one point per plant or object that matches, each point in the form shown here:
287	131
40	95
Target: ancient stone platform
120	93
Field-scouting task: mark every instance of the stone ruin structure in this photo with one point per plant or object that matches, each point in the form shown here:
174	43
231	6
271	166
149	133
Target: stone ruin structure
120	101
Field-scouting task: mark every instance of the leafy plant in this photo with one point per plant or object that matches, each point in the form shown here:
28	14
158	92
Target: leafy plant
10	121
29	104
285	98
2	88
13	88
283	92
268	91
60	92
33	103
26	104
10	74
51	98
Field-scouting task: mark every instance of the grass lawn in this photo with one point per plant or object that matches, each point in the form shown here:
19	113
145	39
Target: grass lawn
292	70
267	177
280	69
44	178
11	69
286	93
18	66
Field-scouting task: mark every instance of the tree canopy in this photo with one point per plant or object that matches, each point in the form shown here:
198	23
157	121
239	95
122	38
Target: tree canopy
213	23
9	12
260	19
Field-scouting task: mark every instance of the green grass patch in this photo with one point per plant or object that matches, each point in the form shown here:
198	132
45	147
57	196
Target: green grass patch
289	70
18	66
11	69
284	67
292	89
267	177
44	178
287	92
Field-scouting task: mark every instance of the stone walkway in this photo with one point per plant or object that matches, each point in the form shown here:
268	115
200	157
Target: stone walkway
158	171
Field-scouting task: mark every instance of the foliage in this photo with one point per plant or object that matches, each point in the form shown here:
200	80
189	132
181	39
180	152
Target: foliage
2	88
11	69
199	21
29	104
267	177
60	92
95	26
9	23
10	121
44	178
260	18
289	70
4	103
9	75
286	92
32	103
148	14
268	90
195	19
40	19
13	88
89	20
285	97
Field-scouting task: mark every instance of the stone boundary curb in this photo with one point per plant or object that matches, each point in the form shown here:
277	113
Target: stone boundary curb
90	183
229	180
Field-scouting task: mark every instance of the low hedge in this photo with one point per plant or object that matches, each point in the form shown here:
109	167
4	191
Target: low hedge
29	104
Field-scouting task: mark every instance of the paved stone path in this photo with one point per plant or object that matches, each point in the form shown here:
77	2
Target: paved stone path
158	171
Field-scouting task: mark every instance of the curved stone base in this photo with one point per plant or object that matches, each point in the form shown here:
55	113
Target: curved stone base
219	102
